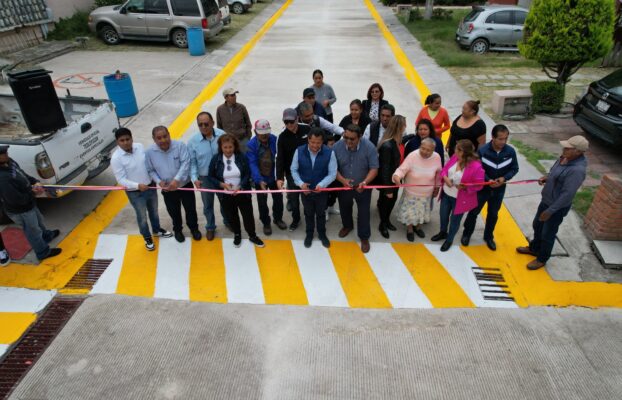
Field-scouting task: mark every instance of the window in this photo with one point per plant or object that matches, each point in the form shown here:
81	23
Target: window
519	17
135	6
210	7
188	8
156	7
501	17
472	15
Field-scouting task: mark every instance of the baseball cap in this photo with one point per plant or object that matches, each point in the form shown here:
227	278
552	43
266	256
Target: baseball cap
262	127
289	114
4	148
229	91
576	142
308	92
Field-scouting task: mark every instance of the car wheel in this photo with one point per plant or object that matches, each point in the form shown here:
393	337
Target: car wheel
237	8
479	46
179	38
109	35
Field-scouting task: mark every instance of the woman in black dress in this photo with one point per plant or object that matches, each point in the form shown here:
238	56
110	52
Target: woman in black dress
356	116
467	126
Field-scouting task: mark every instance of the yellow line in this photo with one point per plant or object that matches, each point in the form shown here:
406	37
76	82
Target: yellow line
79	245
138	273
14	325
207	272
435	282
282	283
359	283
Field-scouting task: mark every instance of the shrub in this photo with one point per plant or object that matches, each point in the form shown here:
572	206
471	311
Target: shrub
103	3
442	13
71	27
547	97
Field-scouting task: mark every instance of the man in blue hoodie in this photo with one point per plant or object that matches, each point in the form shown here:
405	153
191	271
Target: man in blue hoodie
560	187
261	155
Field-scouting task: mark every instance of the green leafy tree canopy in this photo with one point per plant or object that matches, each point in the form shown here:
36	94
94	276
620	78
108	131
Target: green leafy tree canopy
562	35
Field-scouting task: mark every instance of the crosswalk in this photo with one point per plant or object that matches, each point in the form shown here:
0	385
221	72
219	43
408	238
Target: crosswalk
391	275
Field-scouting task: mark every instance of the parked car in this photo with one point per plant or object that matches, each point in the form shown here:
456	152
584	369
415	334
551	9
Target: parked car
492	28
155	20
240	6
225	16
599	112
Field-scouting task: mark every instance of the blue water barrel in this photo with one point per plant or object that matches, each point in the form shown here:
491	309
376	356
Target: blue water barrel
196	42
121	93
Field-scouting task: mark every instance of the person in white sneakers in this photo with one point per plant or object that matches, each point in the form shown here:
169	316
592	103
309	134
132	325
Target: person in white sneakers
130	170
5	258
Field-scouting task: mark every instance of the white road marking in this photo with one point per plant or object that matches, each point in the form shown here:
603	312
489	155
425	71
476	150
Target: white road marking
319	276
110	246
242	273
173	271
3	349
20	300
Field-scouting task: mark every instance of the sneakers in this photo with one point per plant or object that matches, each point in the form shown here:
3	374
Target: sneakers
53	253
293	226
237	240
256	241
333	210
5	259
163	233
281	225
149	244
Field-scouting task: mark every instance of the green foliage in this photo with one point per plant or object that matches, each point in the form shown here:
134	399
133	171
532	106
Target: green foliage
547	97
583	200
103	3
562	35
71	27
415	14
442	13
533	155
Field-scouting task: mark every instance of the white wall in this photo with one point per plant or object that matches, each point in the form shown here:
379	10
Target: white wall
66	8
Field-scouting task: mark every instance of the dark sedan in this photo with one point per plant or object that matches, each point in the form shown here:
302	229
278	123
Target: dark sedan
599	112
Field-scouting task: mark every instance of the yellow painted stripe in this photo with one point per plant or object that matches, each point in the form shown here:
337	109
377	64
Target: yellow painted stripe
139	268
437	284
207	272
280	277
13	326
359	283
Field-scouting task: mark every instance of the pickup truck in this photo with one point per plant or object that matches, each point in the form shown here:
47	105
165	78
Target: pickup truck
68	156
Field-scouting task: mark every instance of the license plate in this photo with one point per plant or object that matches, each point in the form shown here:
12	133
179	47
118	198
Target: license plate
602	106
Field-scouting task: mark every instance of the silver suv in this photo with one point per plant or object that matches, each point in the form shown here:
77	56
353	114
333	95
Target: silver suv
156	20
492	28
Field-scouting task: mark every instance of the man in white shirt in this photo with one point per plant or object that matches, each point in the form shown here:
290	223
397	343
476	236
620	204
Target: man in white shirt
130	170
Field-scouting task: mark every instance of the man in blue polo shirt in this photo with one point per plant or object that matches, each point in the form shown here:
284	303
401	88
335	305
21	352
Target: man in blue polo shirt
500	165
314	166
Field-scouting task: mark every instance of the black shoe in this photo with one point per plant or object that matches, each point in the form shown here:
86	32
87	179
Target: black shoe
491	244
439	236
384	231
180	237
465	240
281	225
55	234
196	234
293	226
308	241
325	241
53	253
420	232
267	230
237	240
256	241
149	244
391	227
410	236
446	245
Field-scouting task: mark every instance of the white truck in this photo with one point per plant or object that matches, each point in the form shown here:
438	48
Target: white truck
68	156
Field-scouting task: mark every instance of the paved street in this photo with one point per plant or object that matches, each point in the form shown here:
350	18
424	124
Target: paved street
470	326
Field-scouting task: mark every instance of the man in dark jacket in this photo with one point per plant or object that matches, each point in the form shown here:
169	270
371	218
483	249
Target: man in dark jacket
500	165
17	192
375	130
560	187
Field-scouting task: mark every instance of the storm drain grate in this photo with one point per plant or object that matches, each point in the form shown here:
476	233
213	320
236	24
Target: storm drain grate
28	350
88	274
492	284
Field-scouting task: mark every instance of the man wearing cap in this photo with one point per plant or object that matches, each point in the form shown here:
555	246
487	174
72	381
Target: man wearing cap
232	117
261	155
308	96
293	136
17	192
560	186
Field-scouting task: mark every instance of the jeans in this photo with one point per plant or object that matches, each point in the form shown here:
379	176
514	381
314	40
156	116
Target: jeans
294	201
208	205
315	212
544	232
243	203
385	205
277	205
36	233
448	205
494	198
174	200
145	203
363	203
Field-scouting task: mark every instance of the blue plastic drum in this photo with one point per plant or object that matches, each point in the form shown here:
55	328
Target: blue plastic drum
196	42
121	93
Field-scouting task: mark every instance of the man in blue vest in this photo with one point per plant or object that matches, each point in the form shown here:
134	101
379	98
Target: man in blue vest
314	167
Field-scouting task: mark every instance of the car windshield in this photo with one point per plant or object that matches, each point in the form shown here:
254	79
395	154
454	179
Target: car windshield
613	82
472	15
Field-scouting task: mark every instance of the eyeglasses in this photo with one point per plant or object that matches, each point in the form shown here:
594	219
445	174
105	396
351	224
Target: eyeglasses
203	124
228	165
289	122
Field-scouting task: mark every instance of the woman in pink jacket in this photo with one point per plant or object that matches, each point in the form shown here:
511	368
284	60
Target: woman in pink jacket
463	177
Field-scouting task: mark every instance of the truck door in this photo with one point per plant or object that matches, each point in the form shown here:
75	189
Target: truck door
158	18
132	18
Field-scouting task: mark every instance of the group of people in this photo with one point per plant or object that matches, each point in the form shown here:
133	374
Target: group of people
312	153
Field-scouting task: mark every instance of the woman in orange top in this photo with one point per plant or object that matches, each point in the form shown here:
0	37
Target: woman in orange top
435	113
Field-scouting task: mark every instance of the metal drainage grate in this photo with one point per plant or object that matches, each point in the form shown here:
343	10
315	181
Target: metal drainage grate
28	350
88	274
492	284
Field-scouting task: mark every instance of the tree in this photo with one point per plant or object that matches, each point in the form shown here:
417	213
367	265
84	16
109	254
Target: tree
429	6
562	35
